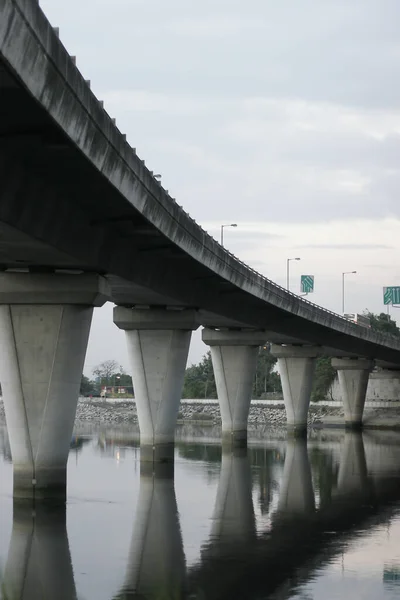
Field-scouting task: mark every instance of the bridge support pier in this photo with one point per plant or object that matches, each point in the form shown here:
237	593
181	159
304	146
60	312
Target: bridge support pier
158	345
44	328
353	376
296	366
234	358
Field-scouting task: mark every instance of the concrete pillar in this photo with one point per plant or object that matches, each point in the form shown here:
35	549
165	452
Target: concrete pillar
158	346
296	494
39	561
156	561
233	520
353	374
234	357
44	328
296	366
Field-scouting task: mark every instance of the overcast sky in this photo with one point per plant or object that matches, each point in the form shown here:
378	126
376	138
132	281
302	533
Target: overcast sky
283	117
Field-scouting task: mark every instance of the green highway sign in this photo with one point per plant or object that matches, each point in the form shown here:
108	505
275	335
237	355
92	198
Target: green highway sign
391	295
307	284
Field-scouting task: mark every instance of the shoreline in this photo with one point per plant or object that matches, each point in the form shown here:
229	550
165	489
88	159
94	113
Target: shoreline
207	413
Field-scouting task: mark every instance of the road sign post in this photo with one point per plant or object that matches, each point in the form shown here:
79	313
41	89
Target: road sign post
307	284
391	295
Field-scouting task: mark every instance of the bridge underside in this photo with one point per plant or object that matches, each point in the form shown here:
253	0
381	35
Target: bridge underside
58	210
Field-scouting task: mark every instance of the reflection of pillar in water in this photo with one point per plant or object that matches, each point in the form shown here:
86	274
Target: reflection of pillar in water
156	562
39	561
353	474
296	494
233	518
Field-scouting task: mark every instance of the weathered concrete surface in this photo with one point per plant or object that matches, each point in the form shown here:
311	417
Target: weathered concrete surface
353	379
42	352
382	385
119	219
158	346
296	366
234	357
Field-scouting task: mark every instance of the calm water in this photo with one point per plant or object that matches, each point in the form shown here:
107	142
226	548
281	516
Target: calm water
284	520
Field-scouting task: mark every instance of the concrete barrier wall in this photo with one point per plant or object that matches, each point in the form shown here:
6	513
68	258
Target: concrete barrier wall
381	387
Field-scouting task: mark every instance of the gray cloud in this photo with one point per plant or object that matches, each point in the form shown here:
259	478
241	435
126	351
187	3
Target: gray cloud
283	111
321	51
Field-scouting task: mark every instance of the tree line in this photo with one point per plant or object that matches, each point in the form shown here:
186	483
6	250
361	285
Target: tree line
107	374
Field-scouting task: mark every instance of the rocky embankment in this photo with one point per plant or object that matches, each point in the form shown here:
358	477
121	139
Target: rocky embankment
96	411
101	411
205	413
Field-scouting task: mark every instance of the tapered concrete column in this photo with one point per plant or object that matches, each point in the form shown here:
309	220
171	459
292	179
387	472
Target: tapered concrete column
39	561
353	374
296	494
156	561
158	346
296	366
234	357
44	328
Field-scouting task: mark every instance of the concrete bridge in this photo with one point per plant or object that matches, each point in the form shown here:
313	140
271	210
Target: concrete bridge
296	544
84	221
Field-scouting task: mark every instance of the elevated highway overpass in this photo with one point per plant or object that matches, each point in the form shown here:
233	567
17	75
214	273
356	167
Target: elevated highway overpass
75	195
82	221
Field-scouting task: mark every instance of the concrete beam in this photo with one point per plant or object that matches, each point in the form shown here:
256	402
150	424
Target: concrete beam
54	288
335	353
296	366
158	345
383	364
234	356
42	352
155	319
212	320
353	379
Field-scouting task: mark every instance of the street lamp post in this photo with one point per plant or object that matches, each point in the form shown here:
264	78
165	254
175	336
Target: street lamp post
222	231
287	270
343	274
116	377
